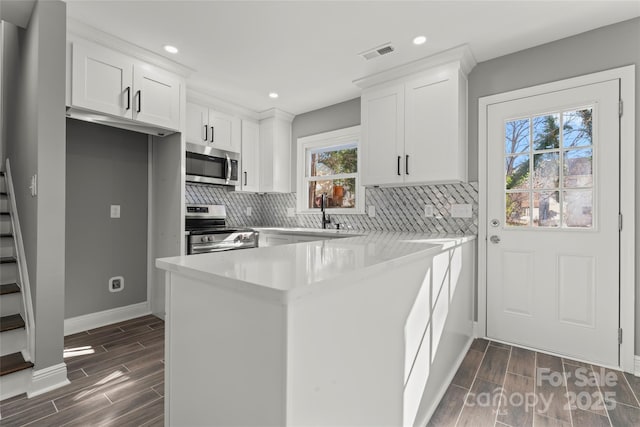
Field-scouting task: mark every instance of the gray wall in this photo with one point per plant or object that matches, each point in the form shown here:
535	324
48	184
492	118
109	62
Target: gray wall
601	49
338	116
8	83
105	166
36	146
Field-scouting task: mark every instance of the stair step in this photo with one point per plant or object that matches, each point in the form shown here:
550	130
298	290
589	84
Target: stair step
13	363
9	288
8	260
13	321
6	234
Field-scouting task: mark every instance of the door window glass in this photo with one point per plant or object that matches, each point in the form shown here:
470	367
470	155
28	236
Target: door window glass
549	171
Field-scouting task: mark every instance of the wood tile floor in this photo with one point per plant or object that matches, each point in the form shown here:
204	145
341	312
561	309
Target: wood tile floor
501	385
117	379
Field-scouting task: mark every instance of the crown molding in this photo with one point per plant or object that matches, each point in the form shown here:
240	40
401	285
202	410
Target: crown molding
460	55
277	114
77	29
200	95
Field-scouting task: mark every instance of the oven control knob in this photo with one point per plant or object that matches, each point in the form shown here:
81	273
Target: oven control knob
203	239
210	238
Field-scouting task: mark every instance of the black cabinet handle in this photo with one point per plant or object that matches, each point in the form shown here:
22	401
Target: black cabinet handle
128	89
399	157
212	134
406	164
245	178
139	93
206	133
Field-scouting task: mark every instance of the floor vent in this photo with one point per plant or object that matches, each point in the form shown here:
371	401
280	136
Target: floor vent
377	51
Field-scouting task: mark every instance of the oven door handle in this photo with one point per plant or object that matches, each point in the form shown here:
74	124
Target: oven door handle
215	247
228	169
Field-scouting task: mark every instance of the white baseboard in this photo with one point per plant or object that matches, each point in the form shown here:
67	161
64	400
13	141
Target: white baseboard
48	379
636	367
107	317
476	330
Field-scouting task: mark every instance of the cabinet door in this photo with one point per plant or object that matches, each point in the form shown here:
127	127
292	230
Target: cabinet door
220	131
432	139
197	124
156	97
267	239
383	136
101	80
250	156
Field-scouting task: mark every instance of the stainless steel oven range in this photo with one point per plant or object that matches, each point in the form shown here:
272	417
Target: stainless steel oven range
206	230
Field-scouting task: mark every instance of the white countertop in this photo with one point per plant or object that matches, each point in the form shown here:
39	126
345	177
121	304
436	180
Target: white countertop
287	272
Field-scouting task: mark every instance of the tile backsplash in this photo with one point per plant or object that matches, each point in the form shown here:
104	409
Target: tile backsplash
397	208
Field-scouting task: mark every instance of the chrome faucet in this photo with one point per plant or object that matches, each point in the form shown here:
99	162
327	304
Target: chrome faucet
326	219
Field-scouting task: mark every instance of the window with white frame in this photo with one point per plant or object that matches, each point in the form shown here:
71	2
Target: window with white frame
328	163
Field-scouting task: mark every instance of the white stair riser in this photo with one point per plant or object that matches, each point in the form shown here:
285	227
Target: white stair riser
3	184
5	224
9	273
15	384
13	341
4	204
10	304
7	248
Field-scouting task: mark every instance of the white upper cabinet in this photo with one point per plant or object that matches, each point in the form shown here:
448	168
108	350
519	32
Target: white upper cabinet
414	128
156	97
275	152
435	142
106	81
212	128
197	124
249	179
383	135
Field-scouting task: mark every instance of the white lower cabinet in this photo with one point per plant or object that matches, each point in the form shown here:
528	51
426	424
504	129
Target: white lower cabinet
268	239
276	239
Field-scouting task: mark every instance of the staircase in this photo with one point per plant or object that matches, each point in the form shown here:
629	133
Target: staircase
15	367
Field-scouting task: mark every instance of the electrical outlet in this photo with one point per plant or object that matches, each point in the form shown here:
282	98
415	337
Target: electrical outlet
116	284
428	211
115	211
371	211
291	212
249	210
461	210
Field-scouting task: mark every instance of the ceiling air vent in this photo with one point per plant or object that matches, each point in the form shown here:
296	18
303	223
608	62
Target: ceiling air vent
377	51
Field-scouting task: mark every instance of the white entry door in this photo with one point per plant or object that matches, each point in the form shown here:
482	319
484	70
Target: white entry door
552	212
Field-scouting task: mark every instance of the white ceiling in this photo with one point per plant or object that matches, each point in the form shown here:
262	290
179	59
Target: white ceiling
307	51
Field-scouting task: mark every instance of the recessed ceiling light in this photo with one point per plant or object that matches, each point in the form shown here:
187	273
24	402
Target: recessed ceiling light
171	49
273	95
419	40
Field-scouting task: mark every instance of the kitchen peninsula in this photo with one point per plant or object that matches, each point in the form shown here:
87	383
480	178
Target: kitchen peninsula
363	330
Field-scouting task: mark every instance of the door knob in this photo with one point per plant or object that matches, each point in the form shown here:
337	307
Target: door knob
494	239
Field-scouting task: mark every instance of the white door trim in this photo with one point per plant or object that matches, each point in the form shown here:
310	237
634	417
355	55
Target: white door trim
627	196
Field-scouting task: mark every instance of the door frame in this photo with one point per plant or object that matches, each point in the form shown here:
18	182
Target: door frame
627	196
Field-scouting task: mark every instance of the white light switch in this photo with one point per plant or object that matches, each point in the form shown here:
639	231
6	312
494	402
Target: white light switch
115	211
249	210
291	212
371	211
461	210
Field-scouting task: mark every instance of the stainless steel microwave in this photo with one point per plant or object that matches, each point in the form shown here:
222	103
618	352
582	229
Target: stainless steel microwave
212	166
